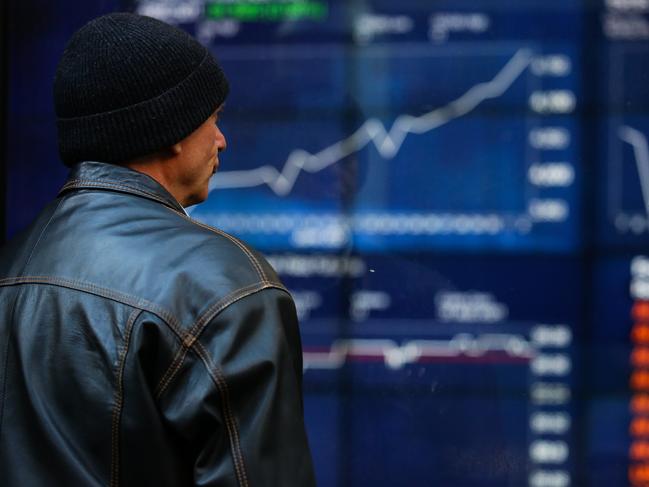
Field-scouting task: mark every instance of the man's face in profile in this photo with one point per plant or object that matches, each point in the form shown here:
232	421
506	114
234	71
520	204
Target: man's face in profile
198	160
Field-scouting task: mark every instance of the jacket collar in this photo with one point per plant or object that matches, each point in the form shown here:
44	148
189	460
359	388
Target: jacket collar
110	177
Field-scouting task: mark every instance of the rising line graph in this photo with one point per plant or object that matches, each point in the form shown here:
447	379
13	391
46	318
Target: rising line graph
387	142
638	141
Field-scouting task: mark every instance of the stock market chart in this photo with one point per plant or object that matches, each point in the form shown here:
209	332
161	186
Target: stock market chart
456	194
626	152
619	382
446	371
367	138
398	140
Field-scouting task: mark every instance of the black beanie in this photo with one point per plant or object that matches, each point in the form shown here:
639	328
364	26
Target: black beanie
128	86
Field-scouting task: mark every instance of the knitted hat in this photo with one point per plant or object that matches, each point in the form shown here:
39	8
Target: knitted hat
128	86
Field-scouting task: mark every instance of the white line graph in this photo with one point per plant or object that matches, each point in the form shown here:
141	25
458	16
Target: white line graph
387	142
395	356
641	152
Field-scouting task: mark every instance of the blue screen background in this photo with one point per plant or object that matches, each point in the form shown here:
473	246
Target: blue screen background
457	195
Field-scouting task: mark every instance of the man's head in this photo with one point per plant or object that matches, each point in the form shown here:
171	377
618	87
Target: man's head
128	87
186	167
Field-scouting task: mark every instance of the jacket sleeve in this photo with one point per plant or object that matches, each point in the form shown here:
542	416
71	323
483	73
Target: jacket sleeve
239	401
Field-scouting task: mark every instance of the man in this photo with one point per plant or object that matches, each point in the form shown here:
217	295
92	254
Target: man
137	346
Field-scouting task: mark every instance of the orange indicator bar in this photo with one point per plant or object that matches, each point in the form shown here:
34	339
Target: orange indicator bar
639	450
640	334
639	474
640	357
640	380
639	427
640	311
640	404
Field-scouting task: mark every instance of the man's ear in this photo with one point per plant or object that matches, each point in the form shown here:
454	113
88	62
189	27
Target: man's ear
176	149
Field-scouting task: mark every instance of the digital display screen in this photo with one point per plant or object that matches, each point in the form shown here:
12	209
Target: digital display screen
400	137
625	152
459	360
456	194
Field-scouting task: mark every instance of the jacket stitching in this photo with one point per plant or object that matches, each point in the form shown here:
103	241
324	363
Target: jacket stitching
185	338
99	291
220	305
253	260
77	183
242	247
10	336
198	327
215	372
222	386
171	372
119	400
81	183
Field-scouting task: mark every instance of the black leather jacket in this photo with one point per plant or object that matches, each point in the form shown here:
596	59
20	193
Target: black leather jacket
139	347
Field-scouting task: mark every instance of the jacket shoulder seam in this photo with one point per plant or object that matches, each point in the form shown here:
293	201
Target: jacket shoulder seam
194	332
253	260
191	343
89	183
90	288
